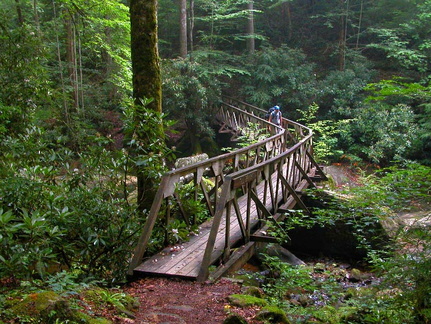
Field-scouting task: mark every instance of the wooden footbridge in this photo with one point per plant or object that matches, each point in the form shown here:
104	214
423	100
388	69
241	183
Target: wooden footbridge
247	188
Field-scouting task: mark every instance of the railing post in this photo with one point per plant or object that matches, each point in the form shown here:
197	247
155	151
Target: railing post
220	208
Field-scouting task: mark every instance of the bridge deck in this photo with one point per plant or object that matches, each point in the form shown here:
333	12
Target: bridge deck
186	262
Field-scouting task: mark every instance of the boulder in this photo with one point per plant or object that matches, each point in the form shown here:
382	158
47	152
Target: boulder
185	161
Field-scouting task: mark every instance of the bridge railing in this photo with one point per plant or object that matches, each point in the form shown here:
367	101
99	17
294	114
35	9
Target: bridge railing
278	178
217	169
294	131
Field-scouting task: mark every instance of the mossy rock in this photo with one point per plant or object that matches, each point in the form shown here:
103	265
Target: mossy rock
99	321
254	291
246	300
246	279
47	307
360	292
93	294
272	314
330	314
235	319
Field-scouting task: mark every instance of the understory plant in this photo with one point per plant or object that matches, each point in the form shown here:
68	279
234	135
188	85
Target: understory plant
399	288
64	210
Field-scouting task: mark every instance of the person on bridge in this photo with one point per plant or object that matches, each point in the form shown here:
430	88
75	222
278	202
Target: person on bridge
275	116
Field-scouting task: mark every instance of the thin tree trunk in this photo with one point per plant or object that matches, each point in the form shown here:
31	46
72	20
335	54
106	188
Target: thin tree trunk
183	28
60	63
191	20
36	16
19	13
342	36
289	20
71	60
81	75
146	77
359	24
250	28
108	60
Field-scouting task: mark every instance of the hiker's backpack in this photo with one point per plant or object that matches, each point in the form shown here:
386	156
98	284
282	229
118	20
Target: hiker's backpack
270	110
276	117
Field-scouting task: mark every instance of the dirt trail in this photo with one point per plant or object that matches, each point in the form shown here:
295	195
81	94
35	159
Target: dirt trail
171	301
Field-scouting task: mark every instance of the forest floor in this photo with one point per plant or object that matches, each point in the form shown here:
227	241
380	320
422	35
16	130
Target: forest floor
173	301
164	300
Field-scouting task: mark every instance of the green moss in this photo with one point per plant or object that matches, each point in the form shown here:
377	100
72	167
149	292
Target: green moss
45	307
35	303
234	319
246	300
92	294
99	321
272	314
254	291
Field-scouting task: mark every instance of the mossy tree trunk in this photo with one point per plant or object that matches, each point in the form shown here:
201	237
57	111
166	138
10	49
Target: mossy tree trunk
146	79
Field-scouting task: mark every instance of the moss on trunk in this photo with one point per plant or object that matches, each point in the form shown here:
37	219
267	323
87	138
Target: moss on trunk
146	77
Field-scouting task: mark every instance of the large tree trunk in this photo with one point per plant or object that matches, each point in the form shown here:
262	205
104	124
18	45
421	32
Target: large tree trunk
183	28
146	77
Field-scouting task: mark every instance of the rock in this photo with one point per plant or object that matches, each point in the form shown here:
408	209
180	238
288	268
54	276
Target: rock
272	314
319	267
254	291
185	161
246	300
235	319
278	251
357	275
47	307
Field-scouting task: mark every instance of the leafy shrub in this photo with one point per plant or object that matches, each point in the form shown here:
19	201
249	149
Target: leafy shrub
343	89
325	134
62	210
378	133
280	76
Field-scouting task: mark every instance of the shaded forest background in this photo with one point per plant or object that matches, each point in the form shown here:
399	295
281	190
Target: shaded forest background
363	66
73	140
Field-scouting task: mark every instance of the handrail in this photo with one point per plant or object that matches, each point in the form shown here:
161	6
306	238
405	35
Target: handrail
222	167
290	169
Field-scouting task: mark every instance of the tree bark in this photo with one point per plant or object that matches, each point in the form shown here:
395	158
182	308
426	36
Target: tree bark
19	13
146	77
342	37
71	61
191	20
289	19
250	28
183	28
36	16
